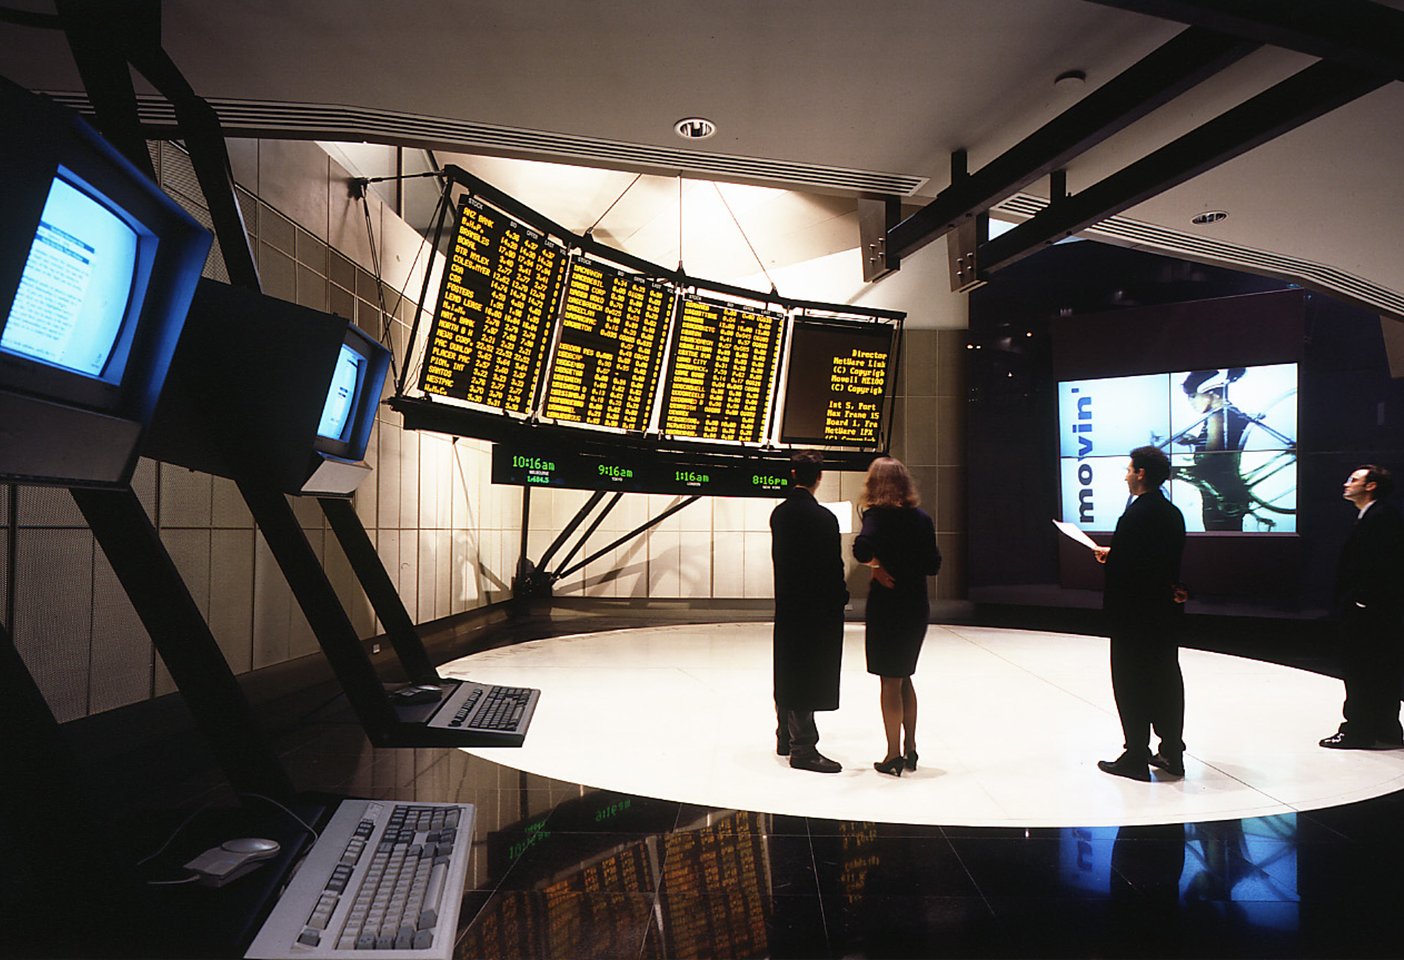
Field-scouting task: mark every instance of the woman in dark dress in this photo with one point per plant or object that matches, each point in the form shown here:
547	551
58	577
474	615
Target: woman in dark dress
898	541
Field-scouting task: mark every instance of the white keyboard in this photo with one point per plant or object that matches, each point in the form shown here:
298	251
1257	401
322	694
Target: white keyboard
499	715
384	879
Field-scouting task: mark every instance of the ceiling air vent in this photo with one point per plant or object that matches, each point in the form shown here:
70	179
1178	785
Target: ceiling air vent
310	121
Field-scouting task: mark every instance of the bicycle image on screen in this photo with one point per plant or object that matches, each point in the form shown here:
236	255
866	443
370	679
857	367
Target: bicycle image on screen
1233	449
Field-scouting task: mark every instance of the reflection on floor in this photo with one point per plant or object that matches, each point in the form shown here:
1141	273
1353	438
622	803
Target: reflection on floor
566	870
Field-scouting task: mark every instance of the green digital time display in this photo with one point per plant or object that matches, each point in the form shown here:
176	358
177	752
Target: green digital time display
534	470
639	472
767	481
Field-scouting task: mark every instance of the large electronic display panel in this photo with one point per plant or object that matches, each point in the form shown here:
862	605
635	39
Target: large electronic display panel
721	371
613	329
97	269
497	303
1230	434
837	382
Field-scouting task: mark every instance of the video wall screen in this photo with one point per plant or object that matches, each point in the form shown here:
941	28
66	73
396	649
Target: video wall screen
1230	434
836	384
541	329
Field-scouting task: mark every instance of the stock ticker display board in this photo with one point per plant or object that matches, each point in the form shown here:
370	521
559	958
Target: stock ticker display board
837	382
590	368
496	311
721	372
613	327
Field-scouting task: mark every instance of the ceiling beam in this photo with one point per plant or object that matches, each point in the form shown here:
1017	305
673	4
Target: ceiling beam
1299	99
1165	73
1360	33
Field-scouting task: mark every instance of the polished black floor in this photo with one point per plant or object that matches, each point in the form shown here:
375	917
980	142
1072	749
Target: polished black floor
564	870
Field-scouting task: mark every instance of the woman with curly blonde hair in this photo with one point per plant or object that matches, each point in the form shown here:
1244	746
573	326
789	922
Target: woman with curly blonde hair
898	541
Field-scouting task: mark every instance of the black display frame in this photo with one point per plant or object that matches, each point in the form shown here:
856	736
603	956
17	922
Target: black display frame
888	397
459	418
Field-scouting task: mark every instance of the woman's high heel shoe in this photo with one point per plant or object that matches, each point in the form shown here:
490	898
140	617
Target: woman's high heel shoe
911	759
891	766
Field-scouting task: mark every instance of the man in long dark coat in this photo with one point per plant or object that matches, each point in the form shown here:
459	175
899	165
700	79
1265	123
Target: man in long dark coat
810	594
1370	614
1141	601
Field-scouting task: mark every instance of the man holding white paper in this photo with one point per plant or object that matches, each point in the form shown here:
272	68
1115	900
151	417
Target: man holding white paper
1141	599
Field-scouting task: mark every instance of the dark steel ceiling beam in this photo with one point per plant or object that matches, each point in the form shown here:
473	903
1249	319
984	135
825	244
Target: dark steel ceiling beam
1188	59
1299	99
1360	33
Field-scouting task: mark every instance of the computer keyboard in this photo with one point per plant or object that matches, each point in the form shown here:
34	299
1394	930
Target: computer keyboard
500	713
384	878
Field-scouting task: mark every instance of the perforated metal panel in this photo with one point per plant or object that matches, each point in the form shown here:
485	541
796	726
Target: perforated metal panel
53	615
229	510
232	596
5	574
186	497
144	486
48	507
178	179
122	654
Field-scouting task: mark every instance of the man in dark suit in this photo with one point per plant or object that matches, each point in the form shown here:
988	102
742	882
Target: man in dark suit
810	594
1141	601
1370	611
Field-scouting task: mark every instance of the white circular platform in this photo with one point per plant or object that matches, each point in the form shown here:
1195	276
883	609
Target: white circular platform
1010	727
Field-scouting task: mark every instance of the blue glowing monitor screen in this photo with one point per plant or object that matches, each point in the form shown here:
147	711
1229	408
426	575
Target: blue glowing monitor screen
73	295
1230	435
341	397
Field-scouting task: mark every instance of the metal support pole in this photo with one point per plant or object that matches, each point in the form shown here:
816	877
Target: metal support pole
375	581
183	639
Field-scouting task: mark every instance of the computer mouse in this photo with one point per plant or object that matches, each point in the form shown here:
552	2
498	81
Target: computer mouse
418	693
256	846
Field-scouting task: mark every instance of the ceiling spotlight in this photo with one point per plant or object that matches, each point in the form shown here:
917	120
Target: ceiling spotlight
1070	80
1209	216
694	128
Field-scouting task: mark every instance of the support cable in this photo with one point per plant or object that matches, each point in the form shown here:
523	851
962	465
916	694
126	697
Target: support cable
720	196
387	318
680	225
591	231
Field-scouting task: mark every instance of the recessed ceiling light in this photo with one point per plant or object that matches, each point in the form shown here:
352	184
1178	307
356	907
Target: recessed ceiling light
1070	80
1209	216
694	128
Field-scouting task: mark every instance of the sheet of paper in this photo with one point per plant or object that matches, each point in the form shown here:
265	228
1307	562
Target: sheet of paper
1074	533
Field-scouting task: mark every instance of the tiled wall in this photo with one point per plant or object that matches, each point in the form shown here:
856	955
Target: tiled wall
448	537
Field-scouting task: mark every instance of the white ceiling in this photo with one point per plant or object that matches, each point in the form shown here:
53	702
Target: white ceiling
890	86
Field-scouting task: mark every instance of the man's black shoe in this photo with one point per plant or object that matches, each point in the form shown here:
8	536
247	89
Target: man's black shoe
1174	765
782	746
1124	766
1341	741
816	762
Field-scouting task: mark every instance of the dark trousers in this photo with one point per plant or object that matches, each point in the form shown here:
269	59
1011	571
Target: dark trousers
1370	666
797	728
1149	690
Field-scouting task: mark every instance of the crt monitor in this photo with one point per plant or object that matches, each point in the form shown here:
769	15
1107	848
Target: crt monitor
97	269
267	389
348	412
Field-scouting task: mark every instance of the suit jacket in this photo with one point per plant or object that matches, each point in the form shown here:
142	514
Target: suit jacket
810	594
1144	563
1371	567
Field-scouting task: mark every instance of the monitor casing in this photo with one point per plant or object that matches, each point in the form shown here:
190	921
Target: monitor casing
58	426
247	388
